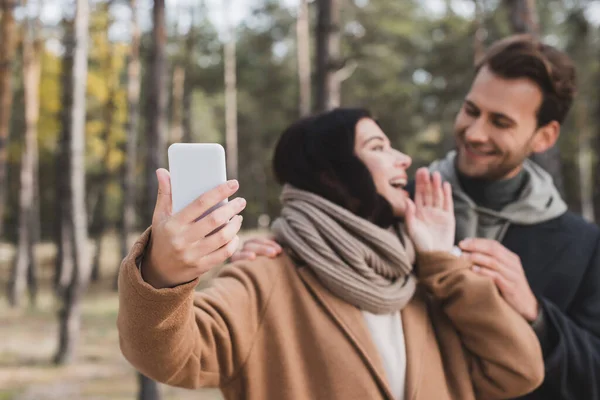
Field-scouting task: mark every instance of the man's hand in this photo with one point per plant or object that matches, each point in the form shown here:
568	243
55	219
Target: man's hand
181	248
504	267
430	219
257	247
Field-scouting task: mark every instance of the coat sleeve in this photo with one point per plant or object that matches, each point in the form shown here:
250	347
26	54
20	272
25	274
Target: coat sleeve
571	341
191	339
503	353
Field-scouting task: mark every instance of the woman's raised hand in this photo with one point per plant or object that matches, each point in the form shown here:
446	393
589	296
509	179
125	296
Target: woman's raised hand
430	218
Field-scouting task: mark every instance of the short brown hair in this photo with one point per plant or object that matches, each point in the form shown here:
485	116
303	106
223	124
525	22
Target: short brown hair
524	56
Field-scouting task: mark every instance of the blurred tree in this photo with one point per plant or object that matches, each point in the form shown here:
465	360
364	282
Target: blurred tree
524	19
63	233
188	86
70	314
8	41
303	54
596	141
479	30
25	265
111	71
328	44
231	113
128	172
178	82
523	16
579	48
156	141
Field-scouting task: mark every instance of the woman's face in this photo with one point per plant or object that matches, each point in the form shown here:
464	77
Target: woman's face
386	165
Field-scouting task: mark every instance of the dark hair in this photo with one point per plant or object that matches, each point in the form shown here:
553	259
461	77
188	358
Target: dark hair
316	154
524	56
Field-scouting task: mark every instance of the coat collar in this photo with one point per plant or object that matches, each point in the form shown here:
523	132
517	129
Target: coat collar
350	320
415	323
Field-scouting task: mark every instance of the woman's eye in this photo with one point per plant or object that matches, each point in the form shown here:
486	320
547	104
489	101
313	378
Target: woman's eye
377	148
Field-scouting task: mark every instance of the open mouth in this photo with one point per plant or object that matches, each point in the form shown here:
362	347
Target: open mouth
398	183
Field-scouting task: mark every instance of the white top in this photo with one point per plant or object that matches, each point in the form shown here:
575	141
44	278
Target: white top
388	336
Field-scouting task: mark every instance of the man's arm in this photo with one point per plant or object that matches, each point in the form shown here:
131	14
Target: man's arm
571	341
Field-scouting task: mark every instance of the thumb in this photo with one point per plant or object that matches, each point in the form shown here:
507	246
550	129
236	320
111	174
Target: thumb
163	199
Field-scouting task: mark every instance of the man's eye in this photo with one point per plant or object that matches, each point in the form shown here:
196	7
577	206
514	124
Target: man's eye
471	111
500	124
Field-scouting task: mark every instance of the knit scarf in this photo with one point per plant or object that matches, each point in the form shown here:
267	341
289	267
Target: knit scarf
361	263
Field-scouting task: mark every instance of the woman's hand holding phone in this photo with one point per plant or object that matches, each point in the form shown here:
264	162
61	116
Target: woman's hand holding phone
181	248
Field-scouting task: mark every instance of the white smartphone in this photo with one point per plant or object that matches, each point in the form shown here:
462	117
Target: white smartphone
195	169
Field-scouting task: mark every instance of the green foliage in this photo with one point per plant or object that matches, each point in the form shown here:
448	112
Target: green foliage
412	70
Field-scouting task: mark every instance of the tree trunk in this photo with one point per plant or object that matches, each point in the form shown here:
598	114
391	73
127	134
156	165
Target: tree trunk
133	107
523	19
70	314
176	134
522	16
596	145
99	215
586	177
99	212
303	49
148	388
7	54
156	108
479	32
328	55
24	269
156	140
64	237
231	139
188	89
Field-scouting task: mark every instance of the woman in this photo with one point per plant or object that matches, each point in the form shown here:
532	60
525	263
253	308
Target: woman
339	314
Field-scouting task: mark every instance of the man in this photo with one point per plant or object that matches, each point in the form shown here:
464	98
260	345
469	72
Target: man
511	220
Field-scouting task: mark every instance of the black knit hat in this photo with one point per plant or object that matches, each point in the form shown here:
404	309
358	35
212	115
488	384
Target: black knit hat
316	154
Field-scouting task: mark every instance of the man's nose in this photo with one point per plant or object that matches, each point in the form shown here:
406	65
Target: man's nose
476	131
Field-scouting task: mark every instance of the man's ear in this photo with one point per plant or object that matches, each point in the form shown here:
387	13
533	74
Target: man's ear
545	137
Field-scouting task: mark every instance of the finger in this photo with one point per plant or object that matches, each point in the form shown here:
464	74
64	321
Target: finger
218	257
207	201
163	206
243	256
262	249
409	214
267	242
448	201
427	189
437	191
221	238
501	283
420	181
486	246
215	220
490	263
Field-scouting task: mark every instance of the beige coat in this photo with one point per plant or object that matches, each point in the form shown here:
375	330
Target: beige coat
268	329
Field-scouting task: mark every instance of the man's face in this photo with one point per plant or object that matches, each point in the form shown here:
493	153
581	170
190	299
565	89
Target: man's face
496	128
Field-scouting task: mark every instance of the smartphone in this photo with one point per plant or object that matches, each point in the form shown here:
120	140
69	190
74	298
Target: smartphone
195	169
